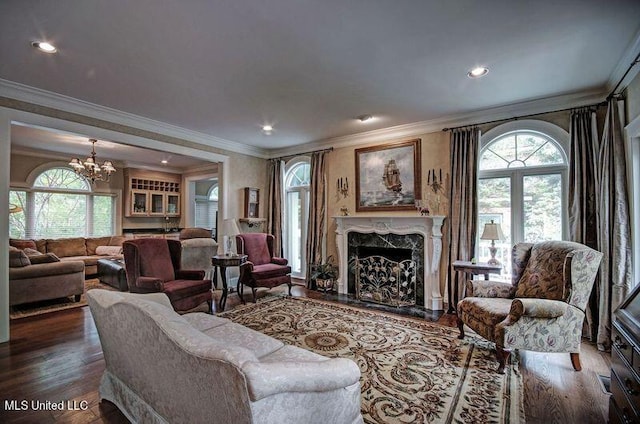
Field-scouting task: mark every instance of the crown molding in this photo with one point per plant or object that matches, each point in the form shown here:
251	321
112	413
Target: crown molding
33	95
522	109
627	58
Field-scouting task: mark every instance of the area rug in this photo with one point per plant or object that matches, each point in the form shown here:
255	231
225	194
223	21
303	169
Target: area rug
53	305
412	371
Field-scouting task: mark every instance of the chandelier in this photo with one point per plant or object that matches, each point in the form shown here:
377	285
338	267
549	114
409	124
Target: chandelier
90	168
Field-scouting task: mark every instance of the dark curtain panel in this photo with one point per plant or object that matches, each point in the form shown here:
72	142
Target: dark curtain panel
583	206
275	204
464	205
614	232
317	230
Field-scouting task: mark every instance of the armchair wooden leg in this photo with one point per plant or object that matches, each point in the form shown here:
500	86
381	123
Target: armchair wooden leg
253	291
460	327
76	298
289	284
575	361
210	306
503	356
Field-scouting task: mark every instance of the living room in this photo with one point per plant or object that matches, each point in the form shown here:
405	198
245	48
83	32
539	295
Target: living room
290	108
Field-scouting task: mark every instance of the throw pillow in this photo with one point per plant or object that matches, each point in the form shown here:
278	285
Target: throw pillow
31	252
22	243
108	250
47	258
67	247
18	259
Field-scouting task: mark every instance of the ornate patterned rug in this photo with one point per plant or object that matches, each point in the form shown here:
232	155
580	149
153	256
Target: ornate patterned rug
412	371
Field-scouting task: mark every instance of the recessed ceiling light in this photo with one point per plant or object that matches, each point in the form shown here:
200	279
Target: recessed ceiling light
478	72
44	46
365	118
267	128
164	161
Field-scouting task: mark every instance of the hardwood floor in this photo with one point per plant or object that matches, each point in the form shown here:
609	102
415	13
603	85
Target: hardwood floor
57	357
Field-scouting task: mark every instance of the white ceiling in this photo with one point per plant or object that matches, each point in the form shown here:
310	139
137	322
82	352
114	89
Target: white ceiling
226	67
63	146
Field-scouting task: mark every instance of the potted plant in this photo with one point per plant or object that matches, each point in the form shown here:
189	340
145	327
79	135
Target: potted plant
324	274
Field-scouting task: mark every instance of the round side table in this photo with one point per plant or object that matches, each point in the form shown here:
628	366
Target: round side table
223	262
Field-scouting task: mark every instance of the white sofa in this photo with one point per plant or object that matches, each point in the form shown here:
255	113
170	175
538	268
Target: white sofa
162	367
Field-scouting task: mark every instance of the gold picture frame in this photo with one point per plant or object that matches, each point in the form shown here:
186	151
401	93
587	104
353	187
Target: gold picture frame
388	176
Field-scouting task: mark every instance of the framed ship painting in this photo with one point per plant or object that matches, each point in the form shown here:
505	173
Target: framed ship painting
388	177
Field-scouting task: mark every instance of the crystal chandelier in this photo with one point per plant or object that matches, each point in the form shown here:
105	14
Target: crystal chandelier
90	168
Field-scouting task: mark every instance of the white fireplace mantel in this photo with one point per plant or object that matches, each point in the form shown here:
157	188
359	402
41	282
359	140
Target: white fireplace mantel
430	227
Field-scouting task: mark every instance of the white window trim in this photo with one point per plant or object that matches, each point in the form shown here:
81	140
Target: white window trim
547	130
304	194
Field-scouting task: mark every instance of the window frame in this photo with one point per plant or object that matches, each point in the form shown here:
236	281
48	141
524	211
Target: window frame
31	190
555	135
304	193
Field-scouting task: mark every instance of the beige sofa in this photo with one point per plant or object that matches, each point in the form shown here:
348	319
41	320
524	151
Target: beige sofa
87	250
162	367
43	277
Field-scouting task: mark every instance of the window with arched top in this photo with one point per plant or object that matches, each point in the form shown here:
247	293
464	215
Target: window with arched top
522	186
207	206
59	204
297	180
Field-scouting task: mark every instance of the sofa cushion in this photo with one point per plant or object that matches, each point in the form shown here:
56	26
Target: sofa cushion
22	243
116	240
191	233
18	259
108	250
261	272
44	270
543	278
233	334
256	246
45	258
31	252
93	243
67	247
179	289
41	245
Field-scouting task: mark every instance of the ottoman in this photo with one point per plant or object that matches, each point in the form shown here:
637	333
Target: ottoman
112	272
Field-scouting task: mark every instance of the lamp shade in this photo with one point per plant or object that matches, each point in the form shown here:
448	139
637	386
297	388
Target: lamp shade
230	227
492	231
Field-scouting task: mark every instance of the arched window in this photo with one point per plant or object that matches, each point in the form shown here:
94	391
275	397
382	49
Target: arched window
296	183
207	206
522	186
61	204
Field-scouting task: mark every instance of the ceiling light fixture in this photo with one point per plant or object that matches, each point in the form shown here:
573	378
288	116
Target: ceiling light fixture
90	168
365	118
478	72
164	161
267	128
44	46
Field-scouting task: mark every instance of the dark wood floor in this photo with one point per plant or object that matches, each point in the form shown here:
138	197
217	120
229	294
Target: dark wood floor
57	357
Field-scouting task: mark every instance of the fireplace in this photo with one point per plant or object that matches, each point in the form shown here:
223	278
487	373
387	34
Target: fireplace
385	275
419	238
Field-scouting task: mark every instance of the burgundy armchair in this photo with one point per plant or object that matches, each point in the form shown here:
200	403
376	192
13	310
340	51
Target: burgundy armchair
262	269
153	265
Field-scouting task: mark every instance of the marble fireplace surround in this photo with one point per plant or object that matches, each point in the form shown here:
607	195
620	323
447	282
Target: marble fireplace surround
429	227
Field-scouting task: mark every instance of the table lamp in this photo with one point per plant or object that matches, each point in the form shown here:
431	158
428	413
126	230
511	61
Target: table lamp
493	232
230	230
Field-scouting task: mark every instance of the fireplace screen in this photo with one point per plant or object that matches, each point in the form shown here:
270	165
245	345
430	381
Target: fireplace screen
382	280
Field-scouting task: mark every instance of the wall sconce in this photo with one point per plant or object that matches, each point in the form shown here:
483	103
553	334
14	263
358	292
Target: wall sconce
435	181
343	187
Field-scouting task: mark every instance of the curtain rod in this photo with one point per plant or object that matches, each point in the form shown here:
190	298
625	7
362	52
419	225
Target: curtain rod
515	118
631	65
330	149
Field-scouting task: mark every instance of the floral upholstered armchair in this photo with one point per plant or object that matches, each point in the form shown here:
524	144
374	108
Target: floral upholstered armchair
542	309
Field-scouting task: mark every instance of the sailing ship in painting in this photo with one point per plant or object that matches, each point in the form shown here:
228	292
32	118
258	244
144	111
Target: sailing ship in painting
391	177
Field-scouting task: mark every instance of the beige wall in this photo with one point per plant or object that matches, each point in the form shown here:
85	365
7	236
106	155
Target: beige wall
341	164
245	171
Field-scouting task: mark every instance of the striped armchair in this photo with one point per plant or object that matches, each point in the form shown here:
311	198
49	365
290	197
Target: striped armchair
542	309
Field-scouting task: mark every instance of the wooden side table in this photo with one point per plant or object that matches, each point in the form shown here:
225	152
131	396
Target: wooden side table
223	262
479	268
